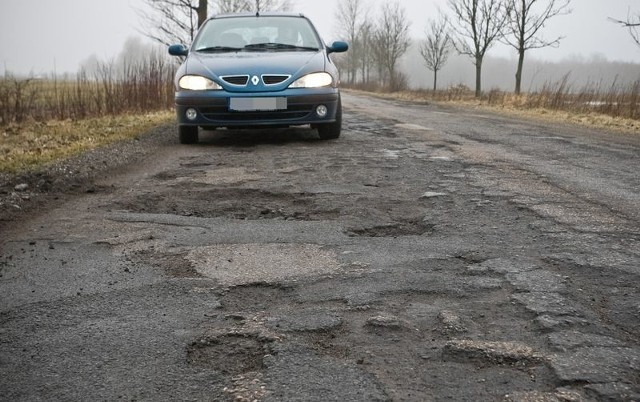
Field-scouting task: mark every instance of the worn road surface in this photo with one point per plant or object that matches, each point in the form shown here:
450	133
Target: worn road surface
430	253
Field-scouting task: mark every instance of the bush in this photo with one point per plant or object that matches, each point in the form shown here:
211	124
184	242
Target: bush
138	87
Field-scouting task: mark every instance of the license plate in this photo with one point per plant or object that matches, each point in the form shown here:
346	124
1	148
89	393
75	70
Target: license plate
257	104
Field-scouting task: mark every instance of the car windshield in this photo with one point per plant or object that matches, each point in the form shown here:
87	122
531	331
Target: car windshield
282	33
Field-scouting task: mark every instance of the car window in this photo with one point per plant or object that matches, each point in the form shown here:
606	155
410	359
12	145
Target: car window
238	32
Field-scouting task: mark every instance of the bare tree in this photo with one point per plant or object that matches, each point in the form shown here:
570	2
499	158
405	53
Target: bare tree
173	21
232	6
177	21
349	17
524	25
435	49
392	40
633	24
479	26
365	39
260	6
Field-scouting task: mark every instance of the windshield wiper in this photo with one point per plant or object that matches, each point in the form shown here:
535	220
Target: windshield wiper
278	46
219	49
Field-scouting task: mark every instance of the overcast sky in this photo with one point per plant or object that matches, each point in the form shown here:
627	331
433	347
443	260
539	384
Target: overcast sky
38	35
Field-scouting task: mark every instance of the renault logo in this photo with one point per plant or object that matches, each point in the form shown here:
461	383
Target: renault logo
255	80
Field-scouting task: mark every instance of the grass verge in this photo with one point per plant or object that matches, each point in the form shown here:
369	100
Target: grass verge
26	146
516	106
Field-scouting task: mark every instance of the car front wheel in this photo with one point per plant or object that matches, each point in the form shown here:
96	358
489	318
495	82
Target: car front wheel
331	131
188	134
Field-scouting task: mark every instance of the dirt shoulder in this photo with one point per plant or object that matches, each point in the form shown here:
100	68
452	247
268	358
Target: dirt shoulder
29	190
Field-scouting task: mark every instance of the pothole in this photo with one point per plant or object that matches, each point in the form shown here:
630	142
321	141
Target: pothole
234	203
255	296
230	354
306	321
408	228
175	265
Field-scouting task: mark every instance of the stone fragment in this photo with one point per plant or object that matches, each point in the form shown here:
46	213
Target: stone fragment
451	322
21	187
560	395
432	194
537	280
384	321
502	266
493	352
615	391
551	322
597	365
546	303
567	340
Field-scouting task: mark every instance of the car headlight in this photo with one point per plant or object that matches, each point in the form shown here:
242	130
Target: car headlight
197	83
314	80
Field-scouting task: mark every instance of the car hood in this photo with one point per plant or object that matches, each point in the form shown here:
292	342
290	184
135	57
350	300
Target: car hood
216	65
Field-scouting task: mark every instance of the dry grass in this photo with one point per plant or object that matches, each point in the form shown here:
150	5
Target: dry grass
26	146
43	120
140	87
615	109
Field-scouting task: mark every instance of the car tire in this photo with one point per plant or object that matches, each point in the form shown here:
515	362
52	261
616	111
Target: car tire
188	134
331	131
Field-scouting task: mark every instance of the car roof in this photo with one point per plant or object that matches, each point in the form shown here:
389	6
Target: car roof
266	14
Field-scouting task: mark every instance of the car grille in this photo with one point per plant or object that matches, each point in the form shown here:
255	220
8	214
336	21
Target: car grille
273	79
221	113
224	115
239	80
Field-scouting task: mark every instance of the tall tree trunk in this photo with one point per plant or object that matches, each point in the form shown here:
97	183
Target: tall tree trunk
202	12
435	80
519	71
478	77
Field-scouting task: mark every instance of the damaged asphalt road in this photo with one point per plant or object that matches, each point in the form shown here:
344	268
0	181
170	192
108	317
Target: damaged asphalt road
430	253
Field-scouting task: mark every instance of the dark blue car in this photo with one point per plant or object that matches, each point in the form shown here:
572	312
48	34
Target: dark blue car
257	70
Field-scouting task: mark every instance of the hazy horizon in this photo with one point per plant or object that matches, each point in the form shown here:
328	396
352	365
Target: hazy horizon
47	36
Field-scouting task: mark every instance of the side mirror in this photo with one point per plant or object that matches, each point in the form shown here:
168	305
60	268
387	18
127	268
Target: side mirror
178	50
338	47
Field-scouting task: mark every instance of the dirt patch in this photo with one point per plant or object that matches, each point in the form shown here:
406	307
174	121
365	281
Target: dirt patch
254	297
407	228
175	265
230	354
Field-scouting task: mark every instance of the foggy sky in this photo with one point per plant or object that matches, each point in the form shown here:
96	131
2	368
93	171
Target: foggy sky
39	36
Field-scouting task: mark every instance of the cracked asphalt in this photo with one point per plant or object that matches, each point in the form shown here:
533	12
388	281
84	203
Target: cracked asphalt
431	253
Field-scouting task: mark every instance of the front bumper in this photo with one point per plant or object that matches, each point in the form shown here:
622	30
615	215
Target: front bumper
212	108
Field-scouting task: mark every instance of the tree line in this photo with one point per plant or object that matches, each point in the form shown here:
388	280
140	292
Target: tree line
468	27
378	38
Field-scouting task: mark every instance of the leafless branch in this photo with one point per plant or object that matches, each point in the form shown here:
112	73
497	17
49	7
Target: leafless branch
477	25
633	24
524	24
392	39
435	49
